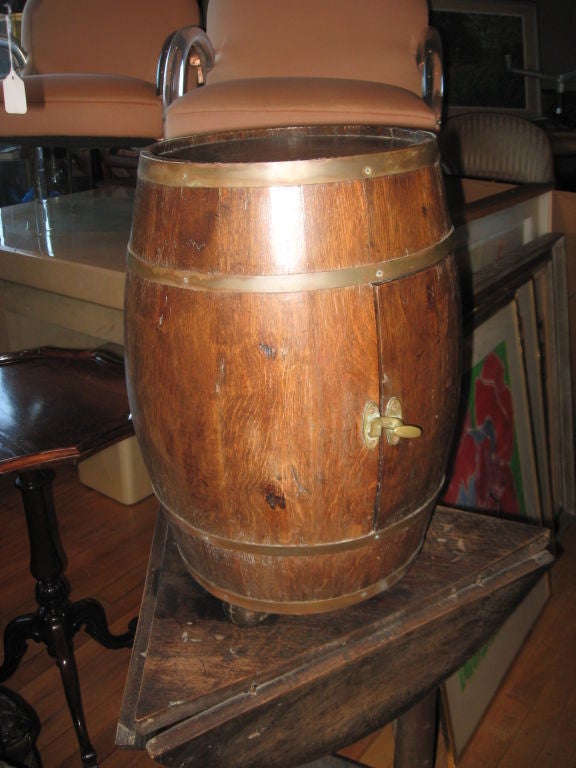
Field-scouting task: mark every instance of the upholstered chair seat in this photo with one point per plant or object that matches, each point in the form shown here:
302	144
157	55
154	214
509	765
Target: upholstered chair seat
86	105
272	102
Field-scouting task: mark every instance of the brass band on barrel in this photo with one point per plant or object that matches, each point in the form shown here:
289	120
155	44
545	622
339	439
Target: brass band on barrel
170	172
322	605
380	272
300	550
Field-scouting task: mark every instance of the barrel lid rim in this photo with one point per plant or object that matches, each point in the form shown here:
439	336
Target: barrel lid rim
171	171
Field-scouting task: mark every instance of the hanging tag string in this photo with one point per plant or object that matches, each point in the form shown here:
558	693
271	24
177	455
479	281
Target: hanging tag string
8	18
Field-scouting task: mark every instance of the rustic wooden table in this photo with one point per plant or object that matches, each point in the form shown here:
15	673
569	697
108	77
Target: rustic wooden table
204	692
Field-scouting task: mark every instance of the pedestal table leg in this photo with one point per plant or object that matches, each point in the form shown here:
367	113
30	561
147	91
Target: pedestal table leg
52	624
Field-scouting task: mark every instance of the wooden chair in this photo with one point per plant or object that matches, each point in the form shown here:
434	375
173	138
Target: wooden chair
305	62
56	407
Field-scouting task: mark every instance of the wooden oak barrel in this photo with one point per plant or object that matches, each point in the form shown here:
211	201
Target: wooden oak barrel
285	288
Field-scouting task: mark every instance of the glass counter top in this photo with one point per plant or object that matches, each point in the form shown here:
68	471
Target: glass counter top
90	227
74	244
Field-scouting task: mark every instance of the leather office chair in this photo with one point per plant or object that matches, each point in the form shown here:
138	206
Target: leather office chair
91	69
306	62
90	73
496	146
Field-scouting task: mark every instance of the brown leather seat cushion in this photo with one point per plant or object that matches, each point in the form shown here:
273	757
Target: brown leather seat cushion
271	102
87	105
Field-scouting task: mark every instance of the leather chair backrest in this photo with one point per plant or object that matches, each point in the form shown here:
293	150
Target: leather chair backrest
122	37
372	40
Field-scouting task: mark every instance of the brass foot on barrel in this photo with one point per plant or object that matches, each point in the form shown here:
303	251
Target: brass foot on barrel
244	617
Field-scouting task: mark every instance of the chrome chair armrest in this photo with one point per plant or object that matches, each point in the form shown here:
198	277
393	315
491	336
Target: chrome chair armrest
188	48
19	55
430	62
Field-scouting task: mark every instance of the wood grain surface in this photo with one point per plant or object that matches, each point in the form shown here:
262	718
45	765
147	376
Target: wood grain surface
249	405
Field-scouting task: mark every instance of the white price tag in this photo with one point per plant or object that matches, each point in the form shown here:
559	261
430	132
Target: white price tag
14	94
13	85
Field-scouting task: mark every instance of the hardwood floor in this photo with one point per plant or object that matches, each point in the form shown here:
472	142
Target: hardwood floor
531	722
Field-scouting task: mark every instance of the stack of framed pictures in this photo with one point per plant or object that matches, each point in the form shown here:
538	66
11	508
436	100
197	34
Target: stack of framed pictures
514	456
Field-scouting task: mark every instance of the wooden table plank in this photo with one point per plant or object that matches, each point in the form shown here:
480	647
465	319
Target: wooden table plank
334	677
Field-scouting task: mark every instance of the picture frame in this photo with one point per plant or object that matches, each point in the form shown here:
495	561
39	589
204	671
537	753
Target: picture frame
497	442
530	327
467	694
494	466
551	299
525	291
476	73
543	262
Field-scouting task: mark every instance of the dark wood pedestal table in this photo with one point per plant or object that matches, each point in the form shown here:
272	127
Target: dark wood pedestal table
204	693
56	407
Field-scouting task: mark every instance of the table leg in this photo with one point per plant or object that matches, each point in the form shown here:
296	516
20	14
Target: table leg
57	618
415	740
51	624
416	729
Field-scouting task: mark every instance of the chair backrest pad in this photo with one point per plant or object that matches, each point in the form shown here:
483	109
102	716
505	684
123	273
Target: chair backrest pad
374	40
101	36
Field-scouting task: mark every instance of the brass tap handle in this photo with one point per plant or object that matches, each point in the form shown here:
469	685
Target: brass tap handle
394	425
391	424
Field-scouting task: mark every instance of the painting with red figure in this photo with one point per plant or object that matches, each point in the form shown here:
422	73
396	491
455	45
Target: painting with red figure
486	474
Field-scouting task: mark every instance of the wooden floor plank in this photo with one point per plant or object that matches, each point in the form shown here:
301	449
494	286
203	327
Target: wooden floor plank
536	690
558	751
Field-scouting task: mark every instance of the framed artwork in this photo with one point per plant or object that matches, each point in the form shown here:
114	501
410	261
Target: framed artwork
535	275
551	300
467	694
494	468
534	365
515	454
477	36
495	471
